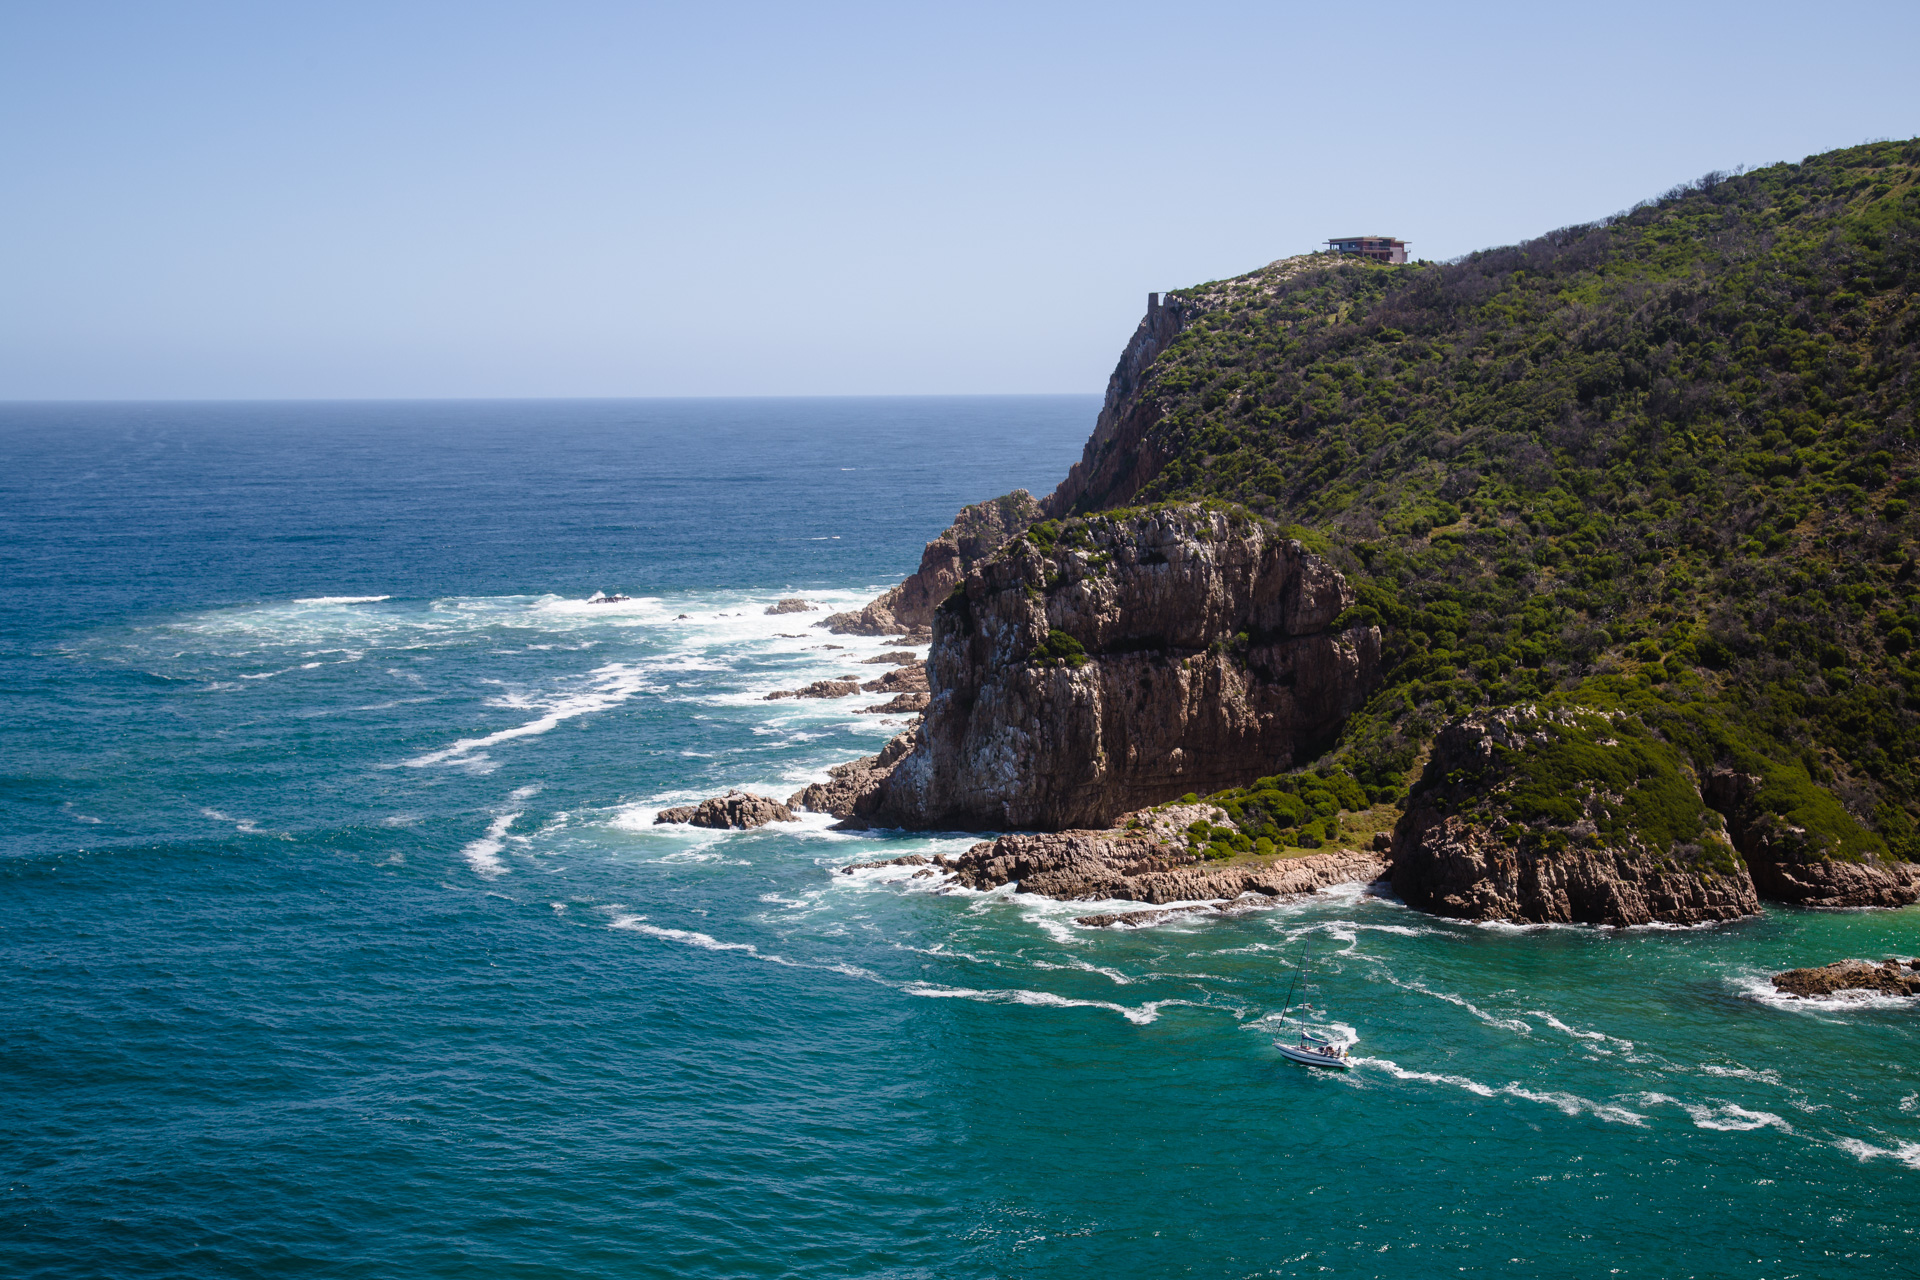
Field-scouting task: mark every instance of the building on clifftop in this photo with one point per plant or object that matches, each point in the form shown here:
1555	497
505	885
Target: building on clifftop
1379	248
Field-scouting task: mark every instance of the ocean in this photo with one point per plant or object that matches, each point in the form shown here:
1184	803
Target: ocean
339	941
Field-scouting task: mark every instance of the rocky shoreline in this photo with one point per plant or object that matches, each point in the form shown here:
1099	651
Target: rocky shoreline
1145	861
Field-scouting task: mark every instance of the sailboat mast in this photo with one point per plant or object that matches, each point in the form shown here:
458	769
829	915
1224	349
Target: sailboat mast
1286	1008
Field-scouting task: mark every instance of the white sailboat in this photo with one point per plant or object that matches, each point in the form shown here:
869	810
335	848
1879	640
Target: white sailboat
1312	1050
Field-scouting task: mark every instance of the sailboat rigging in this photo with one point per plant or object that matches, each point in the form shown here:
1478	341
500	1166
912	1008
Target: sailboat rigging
1313	1050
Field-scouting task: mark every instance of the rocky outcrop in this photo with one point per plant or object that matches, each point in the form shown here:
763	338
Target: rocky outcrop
1888	979
911	679
909	703
1078	866
976	533
894	657
1563	817
852	789
736	809
1111	662
1793	865
790	605
1147	860
818	689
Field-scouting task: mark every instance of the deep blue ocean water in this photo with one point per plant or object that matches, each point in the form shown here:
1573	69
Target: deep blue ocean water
338	941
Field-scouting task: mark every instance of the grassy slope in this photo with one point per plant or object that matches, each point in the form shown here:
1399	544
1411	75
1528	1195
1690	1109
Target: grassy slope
1664	464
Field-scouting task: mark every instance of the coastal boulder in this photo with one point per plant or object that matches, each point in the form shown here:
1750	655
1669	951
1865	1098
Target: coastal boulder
736	809
1105	663
1564	816
1888	979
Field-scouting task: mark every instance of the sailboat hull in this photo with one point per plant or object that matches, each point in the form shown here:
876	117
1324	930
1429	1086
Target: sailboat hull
1308	1058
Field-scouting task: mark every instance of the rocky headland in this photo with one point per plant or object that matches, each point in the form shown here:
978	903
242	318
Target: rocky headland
1599	645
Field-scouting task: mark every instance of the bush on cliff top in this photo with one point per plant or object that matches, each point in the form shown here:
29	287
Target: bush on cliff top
1675	448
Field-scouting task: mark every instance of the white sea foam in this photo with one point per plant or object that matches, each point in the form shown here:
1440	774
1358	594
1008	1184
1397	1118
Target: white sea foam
1493	1020
1576	1033
340	599
1742	1073
1571	1104
483	855
1907	1153
1139	1015
1722	1116
246	826
609	686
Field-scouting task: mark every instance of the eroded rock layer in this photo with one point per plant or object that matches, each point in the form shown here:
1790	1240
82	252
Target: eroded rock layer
1116	661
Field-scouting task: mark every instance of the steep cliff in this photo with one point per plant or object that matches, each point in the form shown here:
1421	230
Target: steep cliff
1105	663
1124	454
976	533
1564	817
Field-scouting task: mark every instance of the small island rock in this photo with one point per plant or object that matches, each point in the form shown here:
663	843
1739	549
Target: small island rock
737	809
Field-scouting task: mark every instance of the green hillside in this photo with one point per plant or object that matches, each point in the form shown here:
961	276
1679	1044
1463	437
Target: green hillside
1665	462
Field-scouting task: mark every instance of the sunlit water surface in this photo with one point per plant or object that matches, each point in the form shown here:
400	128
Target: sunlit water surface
339	940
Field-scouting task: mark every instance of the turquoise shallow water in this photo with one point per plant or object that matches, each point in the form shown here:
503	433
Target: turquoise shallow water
338	940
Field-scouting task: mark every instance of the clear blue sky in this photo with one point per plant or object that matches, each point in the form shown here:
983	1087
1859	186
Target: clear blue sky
498	199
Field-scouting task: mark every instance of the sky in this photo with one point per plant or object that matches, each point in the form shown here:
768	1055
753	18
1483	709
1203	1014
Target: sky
265	201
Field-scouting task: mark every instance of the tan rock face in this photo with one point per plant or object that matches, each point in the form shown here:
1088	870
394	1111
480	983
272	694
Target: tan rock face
976	533
734	809
1209	659
1461	851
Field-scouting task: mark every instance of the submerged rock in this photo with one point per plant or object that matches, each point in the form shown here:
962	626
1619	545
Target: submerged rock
1889	978
1117	661
1564	817
735	809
